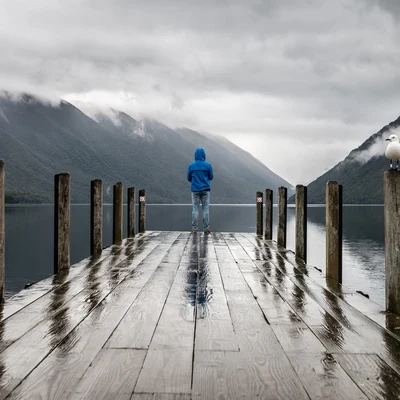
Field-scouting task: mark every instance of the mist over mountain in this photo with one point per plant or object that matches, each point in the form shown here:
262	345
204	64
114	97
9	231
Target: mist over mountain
360	173
39	140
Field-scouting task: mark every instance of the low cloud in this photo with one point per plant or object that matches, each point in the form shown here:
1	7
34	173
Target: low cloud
305	76
375	149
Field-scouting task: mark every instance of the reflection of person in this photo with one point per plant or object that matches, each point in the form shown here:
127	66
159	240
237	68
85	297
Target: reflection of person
200	173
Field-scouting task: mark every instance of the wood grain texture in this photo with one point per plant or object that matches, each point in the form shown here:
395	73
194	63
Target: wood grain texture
96	217
259	212
189	299
392	240
269	204
137	326
112	375
298	339
161	396
375	378
324	378
117	212
62	222
57	376
215	335
131	212
301	222
166	371
282	216
334	231
234	375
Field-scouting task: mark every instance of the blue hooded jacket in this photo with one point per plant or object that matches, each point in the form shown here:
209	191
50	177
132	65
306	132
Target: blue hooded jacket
200	172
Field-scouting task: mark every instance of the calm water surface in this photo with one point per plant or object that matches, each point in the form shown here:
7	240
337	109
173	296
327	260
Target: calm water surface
29	239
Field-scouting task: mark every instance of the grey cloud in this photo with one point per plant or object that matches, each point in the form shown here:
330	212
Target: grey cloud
322	71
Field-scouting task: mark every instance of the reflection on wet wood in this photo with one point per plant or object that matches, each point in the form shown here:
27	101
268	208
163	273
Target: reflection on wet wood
237	375
323	377
112	375
371	374
169	315
161	396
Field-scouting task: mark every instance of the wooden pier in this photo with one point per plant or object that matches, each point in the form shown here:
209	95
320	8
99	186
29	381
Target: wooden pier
169	315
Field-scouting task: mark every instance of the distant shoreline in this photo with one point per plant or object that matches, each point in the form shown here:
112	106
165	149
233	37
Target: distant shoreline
11	205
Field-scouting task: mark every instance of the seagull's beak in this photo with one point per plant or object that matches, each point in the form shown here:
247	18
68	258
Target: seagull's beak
388	140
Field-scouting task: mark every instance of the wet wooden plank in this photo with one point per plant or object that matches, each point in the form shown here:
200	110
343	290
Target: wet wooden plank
376	379
234	375
74	354
254	334
274	307
297	339
112	375
44	295
175	329
78	341
166	371
215	335
323	377
137	327
161	396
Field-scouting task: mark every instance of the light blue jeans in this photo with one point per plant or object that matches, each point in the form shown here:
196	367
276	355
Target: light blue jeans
204	198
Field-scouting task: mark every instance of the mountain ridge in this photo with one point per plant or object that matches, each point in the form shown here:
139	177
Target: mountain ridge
41	139
360	172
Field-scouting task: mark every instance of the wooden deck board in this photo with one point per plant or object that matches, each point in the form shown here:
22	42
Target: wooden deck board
169	315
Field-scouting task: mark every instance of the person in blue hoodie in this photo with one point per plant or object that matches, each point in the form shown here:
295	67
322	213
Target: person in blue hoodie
200	173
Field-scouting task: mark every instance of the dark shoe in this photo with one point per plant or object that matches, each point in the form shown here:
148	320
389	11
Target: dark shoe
193	231
207	232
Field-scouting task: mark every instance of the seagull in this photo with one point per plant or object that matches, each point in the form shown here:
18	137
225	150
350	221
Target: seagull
393	150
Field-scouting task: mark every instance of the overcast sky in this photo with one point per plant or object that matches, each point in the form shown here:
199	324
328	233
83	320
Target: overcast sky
298	83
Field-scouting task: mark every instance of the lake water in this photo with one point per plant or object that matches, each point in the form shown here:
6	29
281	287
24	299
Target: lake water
29	239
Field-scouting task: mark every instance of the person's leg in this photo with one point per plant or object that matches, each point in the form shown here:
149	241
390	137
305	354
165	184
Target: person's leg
195	210
205	200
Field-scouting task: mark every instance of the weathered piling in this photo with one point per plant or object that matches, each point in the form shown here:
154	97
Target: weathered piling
282	216
269	204
301	222
392	239
2	224
96	217
131	212
334	231
259	206
117	212
142	211
62	222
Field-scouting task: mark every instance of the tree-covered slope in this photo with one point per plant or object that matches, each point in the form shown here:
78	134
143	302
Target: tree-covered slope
39	140
360	173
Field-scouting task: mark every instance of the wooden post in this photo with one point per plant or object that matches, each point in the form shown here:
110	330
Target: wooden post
392	240
117	213
62	222
96	217
260	219
131	212
269	204
142	211
282	216
301	222
334	231
2	231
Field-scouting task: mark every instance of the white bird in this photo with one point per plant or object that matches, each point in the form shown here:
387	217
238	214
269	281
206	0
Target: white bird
393	150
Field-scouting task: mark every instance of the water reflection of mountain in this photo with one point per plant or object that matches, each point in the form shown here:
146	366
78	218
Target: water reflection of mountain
360	223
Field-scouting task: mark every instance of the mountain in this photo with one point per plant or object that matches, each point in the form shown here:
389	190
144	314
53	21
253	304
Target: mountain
360	173
39	140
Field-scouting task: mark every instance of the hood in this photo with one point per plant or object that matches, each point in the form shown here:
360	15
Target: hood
200	155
